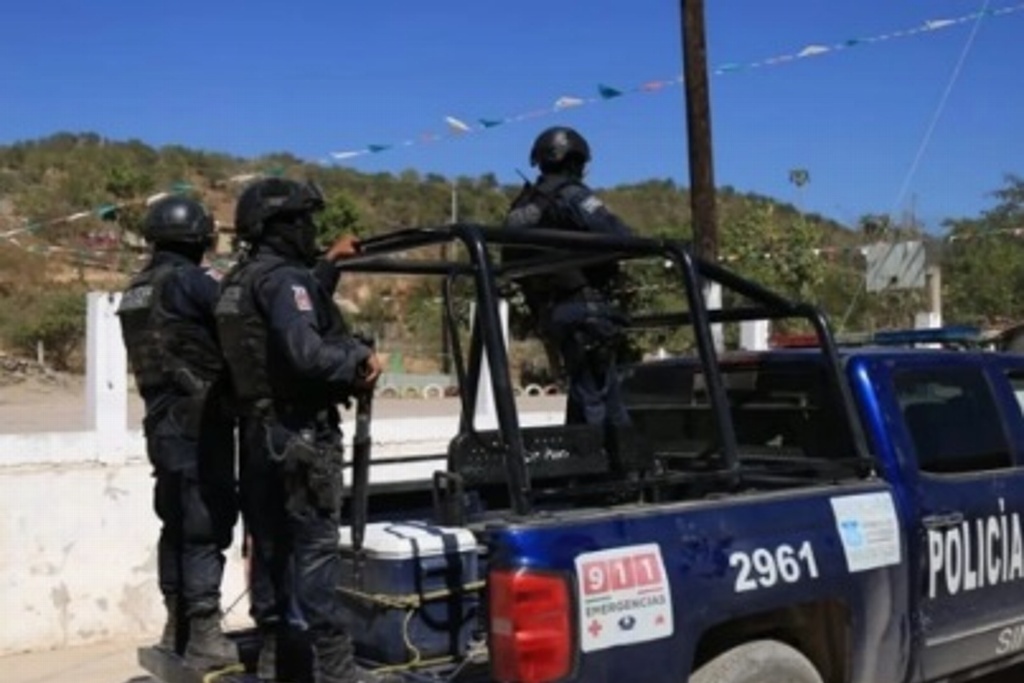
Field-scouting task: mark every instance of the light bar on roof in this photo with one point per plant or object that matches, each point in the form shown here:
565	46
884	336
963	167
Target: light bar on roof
953	334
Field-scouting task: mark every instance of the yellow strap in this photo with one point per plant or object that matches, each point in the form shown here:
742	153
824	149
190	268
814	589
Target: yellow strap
411	603
212	676
409	666
411	600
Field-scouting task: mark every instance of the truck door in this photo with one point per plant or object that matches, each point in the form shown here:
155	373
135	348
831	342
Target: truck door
964	427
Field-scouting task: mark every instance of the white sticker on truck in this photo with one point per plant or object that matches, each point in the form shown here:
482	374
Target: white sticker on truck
869	530
624	597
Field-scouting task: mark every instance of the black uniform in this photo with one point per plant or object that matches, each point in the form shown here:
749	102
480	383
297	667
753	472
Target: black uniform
292	360
571	306
170	333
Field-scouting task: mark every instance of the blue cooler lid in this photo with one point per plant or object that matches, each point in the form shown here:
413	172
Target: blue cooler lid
406	540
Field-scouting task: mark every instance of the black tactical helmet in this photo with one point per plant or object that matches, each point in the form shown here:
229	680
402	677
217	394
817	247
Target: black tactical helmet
178	219
557	145
270	197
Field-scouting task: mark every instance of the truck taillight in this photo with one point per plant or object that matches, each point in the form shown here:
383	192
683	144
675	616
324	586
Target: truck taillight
531	626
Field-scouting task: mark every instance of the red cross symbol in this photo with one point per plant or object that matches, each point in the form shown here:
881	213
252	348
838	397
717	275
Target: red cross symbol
595	628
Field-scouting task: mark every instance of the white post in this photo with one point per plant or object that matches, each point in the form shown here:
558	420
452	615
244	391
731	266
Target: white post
486	417
713	302
933	275
754	335
106	371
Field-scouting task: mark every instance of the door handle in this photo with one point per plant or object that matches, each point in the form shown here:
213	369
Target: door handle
941	521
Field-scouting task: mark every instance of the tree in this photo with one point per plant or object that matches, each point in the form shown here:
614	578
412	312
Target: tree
339	217
57	321
128	185
799	177
983	266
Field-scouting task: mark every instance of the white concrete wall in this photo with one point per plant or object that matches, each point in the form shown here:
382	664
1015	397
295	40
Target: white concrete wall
78	535
77	530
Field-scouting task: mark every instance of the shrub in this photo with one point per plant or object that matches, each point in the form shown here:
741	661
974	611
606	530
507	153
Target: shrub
57	319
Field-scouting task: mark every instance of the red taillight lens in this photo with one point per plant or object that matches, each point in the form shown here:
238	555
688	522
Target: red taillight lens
531	626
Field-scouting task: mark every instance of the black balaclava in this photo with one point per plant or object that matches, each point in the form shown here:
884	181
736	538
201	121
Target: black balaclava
193	251
573	167
293	237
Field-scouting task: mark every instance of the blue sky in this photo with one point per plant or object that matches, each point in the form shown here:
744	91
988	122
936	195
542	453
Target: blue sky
249	77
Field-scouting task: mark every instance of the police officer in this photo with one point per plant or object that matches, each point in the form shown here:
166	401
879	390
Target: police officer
292	361
170	333
572	307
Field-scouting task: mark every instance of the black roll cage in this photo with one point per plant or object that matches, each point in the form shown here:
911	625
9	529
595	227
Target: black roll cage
575	249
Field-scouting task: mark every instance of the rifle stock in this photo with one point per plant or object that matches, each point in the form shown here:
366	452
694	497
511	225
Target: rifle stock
361	445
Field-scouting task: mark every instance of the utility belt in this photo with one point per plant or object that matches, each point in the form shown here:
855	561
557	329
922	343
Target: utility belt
312	468
587	315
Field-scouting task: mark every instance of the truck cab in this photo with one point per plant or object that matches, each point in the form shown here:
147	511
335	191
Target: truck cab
827	514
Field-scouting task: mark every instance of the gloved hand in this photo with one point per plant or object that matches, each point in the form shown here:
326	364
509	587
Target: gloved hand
344	247
370	371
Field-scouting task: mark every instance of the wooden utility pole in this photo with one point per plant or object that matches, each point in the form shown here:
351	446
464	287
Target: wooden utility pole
698	129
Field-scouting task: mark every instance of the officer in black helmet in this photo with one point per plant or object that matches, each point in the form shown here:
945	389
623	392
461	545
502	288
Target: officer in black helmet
292	361
170	333
572	306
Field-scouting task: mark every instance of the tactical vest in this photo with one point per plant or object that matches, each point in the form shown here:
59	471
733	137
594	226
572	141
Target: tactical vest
542	289
243	333
259	380
143	335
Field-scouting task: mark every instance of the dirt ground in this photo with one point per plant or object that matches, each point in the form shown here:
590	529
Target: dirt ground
58	404
114	662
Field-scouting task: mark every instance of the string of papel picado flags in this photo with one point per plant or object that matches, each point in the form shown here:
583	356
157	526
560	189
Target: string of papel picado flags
457	127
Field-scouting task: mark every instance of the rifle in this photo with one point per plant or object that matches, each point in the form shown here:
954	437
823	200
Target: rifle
361	444
361	469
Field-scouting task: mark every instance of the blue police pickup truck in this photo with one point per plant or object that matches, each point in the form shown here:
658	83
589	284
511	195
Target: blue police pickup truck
825	514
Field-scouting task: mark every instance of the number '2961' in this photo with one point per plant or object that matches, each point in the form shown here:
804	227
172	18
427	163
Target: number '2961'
764	568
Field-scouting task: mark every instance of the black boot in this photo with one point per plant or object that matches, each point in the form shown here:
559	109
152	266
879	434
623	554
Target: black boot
266	665
335	663
208	647
169	637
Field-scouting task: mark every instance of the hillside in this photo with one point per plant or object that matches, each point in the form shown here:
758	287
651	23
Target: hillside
43	181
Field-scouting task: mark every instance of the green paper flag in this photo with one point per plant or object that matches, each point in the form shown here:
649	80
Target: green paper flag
607	92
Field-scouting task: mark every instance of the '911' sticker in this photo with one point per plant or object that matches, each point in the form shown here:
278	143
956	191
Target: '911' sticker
624	597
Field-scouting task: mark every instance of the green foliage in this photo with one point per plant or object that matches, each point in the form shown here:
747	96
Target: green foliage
56	319
339	217
983	261
777	251
798	254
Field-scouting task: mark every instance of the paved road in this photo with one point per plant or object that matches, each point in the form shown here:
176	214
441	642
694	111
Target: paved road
56	408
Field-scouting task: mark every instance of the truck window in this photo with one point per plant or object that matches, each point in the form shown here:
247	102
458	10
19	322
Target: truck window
779	411
1017	383
953	420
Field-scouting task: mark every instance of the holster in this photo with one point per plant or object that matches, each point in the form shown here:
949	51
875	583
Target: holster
313	473
189	411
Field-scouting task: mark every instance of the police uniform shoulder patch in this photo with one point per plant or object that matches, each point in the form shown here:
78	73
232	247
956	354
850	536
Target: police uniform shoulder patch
528	215
302	300
591	204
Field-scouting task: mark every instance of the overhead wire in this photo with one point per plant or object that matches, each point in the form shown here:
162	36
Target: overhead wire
924	144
